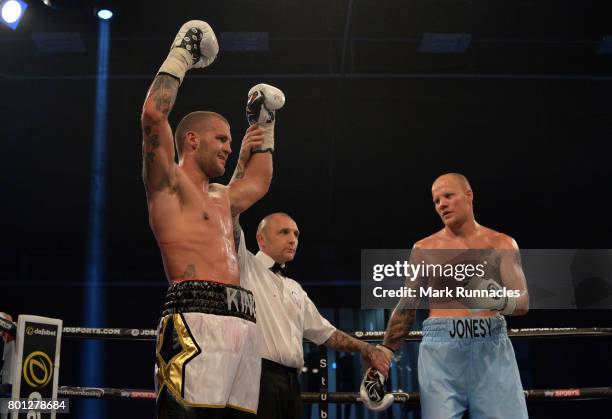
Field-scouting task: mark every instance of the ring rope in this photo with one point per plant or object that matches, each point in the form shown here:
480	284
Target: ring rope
367	336
586	393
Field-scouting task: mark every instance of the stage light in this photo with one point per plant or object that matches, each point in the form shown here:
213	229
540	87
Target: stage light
94	296
104	14
11	12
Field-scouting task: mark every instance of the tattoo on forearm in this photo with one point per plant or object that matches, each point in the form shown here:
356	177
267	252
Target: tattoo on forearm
163	92
398	327
340	341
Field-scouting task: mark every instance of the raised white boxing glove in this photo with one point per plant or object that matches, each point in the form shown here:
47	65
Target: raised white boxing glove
262	103
372	391
195	45
504	304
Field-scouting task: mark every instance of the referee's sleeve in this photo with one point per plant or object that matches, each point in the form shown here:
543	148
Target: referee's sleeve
316	327
243	260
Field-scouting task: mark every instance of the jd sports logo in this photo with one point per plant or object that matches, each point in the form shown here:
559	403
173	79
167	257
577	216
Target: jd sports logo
37	369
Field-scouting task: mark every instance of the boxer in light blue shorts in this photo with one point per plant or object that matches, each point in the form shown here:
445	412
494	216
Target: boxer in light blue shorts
468	363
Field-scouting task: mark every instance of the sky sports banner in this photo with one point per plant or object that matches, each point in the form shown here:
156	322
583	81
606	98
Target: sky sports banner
486	279
37	363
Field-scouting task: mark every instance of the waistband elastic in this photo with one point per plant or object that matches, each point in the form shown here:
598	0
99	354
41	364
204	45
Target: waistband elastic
464	328
272	366
209	298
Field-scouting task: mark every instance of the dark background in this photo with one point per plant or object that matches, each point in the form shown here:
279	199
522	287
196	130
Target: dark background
369	123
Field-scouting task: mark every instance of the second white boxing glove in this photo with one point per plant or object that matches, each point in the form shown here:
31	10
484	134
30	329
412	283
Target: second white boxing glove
262	103
372	391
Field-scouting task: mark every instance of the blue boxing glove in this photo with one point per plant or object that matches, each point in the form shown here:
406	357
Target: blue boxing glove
372	391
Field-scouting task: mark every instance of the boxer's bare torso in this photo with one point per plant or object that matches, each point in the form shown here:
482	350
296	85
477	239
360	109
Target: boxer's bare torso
193	229
453	202
190	217
481	238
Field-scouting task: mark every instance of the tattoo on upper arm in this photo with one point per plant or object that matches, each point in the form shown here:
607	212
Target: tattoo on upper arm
399	327
150	143
162	93
239	172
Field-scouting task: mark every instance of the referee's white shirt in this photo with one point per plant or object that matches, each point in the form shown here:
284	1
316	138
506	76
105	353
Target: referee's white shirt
285	313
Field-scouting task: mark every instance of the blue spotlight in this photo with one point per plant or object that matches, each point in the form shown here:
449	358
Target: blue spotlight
11	12
105	14
94	308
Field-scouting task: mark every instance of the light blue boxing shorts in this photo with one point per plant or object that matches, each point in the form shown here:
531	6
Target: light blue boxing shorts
468	363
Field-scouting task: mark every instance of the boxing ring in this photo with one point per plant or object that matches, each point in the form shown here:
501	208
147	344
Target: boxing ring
323	397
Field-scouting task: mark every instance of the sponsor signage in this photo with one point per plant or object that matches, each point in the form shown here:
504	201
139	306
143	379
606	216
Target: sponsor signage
36	363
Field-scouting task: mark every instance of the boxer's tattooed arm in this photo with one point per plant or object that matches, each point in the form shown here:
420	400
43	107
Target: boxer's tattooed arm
398	327
161	97
340	341
149	144
239	172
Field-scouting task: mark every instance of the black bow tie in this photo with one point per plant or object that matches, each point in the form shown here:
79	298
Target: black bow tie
276	268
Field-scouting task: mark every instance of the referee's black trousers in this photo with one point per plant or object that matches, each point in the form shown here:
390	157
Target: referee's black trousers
279	392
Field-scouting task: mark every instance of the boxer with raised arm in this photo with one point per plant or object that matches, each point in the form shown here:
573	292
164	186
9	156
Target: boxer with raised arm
207	362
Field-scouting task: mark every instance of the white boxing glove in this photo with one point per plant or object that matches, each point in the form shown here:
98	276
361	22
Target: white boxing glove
195	45
372	391
262	103
504	304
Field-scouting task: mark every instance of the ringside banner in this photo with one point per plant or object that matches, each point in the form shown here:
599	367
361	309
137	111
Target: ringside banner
37	361
481	279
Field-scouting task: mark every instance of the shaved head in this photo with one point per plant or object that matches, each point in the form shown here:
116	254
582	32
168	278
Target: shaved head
458	178
195	121
266	220
453	199
278	237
